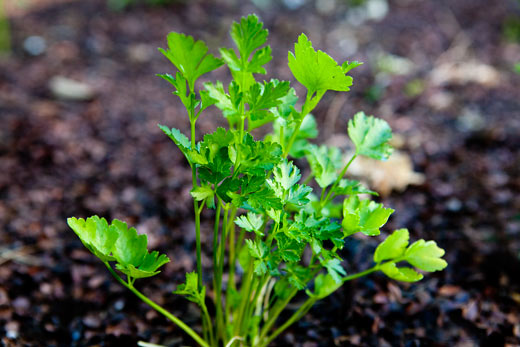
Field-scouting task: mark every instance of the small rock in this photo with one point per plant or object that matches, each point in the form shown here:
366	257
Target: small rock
325	6
293	4
464	72
35	45
140	53
449	290
119	304
12	330
92	321
454	205
377	9
67	89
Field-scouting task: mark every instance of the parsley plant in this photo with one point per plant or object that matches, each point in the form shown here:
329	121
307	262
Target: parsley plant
274	235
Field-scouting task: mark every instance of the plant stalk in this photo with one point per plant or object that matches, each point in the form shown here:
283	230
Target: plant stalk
343	172
159	308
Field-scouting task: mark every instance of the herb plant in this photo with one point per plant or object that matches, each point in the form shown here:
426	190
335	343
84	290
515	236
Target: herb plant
273	234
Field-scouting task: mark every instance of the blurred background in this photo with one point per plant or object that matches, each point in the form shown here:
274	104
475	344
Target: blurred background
79	108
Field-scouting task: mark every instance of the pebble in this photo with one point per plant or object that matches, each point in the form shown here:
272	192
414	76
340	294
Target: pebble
377	9
293	4
454	204
119	304
64	88
35	45
325	6
12	330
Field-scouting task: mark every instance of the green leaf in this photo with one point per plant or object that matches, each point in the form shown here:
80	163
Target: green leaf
298	275
250	222
256	195
289	250
267	95
178	138
197	156
96	235
130	251
228	186
404	274
130	248
218	168
259	251
298	195
190	57
308	128
227	103
370	135
324	162
152	261
214	150
204	192
230	58
206	100
324	285
181	90
284	184
190	289
347	66
352	187
261	57
117	242
425	256
330	231
334	269
286	108
283	127
393	246
363	215
286	174
248	35
257	157
316	70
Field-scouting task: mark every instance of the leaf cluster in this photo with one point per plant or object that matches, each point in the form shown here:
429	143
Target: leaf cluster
116	242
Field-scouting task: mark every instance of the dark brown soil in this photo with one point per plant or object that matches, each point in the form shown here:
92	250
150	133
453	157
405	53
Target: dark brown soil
106	156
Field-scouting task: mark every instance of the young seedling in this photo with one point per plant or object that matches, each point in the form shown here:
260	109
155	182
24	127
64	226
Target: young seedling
265	217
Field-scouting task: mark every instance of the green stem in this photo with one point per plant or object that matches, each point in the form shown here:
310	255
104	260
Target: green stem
345	168
308	179
216	278
196	206
306	109
231	286
244	322
361	274
232	254
292	139
244	293
296	316
208	323
159	308
215	241
276	310
240	241
217	255
223	238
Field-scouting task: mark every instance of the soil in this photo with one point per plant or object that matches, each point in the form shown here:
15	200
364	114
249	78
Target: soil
106	156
